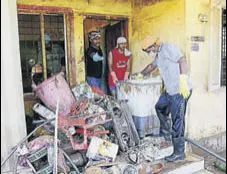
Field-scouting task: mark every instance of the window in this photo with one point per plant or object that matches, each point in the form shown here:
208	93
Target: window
42	42
223	49
217	49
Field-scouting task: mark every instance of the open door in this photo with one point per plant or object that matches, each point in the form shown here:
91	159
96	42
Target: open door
110	30
112	33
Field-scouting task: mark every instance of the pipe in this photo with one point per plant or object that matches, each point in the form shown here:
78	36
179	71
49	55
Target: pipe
56	140
205	149
24	139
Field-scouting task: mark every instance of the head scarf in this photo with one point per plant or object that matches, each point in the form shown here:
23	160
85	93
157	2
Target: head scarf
93	34
121	40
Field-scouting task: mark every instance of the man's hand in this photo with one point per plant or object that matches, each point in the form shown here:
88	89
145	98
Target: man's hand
183	86
113	74
127	52
126	75
137	76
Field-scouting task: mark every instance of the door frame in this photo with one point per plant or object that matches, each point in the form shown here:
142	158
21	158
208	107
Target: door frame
109	17
120	18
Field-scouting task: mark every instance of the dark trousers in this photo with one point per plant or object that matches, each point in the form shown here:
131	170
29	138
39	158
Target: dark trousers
176	106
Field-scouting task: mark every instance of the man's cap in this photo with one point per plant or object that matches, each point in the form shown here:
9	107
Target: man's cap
149	41
94	34
121	40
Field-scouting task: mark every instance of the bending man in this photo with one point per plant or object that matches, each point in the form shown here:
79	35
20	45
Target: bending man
173	70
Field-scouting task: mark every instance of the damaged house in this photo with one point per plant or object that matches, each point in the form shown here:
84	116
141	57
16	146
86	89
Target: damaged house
54	33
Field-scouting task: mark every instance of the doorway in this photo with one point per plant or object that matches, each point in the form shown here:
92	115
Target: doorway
110	30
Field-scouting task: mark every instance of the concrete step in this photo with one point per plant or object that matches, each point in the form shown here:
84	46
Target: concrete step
190	165
203	172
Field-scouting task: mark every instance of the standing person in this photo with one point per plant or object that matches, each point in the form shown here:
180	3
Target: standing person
94	58
119	64
173	69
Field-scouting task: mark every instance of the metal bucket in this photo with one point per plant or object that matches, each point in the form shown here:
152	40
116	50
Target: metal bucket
142	96
53	88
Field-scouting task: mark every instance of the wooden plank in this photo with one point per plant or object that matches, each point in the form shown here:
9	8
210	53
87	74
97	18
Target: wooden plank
43	46
66	47
44	9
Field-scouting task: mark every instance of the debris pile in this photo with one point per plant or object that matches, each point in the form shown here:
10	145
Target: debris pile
96	134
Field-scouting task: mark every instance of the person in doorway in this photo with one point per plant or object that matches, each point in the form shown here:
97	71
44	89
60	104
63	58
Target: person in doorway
173	70
119	64
93	61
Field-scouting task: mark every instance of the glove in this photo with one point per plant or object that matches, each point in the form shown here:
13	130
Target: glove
126	76
113	74
97	58
139	76
183	86
127	52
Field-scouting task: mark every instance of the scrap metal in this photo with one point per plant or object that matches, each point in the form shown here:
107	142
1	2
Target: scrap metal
83	124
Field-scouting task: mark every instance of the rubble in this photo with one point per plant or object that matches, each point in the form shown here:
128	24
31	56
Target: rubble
96	133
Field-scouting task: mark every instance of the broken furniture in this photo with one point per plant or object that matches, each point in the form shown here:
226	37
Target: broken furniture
84	125
123	125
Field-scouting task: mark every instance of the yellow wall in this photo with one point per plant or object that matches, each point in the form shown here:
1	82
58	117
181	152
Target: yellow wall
206	113
81	7
176	21
122	7
165	19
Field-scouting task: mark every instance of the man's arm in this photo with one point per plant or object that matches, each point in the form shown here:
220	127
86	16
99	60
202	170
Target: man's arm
127	70
110	61
128	66
149	68
183	66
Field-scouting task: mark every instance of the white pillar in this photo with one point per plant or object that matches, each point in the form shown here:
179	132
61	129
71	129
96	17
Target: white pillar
13	126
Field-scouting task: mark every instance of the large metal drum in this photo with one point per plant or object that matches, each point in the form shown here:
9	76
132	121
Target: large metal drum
142	96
